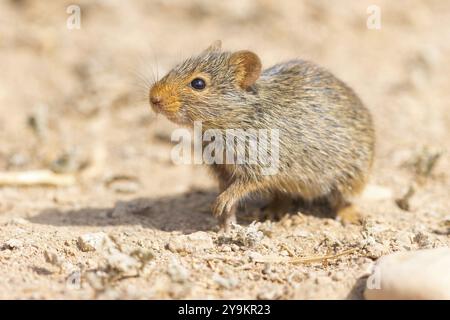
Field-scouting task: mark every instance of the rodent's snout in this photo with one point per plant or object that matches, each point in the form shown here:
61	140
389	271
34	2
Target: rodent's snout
156	101
164	100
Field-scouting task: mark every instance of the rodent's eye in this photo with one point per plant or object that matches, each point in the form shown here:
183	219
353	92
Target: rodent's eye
198	84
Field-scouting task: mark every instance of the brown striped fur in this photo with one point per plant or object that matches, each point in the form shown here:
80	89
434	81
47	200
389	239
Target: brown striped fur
326	133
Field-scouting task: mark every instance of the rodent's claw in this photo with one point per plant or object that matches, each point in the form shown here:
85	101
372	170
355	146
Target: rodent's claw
218	208
221	207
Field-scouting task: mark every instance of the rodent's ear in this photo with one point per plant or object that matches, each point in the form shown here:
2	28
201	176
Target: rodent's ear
215	46
248	67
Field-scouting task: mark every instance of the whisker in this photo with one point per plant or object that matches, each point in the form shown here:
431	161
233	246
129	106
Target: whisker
157	71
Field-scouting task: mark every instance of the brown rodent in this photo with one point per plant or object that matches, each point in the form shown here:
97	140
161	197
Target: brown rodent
326	135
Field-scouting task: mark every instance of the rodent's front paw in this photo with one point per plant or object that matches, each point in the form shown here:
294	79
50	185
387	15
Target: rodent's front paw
221	207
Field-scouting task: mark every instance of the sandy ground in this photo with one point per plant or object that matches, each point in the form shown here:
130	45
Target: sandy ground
74	101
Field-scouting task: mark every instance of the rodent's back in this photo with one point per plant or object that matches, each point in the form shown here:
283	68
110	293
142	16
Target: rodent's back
326	133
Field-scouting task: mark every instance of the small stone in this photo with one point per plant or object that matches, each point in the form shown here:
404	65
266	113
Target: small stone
225	249
52	258
94	241
73	280
404	240
226	283
178	272
421	274
122	263
373	248
194	242
422	240
234	247
247	236
267	269
254	256
12	244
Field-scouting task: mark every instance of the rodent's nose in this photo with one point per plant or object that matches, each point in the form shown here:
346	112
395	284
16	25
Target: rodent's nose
156	100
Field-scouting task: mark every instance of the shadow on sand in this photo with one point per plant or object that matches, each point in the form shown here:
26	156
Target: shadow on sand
187	212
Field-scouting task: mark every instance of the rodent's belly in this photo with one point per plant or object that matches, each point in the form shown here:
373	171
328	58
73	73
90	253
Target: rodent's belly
295	181
296	185
311	162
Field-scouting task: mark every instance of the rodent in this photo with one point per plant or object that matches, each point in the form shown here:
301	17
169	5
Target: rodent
326	133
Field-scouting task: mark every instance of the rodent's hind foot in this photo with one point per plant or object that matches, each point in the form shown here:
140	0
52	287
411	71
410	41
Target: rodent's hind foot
222	206
349	214
343	209
277	207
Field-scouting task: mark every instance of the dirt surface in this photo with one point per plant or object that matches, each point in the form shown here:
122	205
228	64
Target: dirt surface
134	225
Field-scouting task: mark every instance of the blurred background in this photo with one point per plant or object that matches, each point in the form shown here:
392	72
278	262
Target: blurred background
74	101
72	81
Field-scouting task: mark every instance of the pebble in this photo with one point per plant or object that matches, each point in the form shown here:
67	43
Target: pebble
403	239
226	283
177	271
373	248
254	256
94	241
247	236
422	240
52	258
225	248
12	244
122	263
421	274
194	242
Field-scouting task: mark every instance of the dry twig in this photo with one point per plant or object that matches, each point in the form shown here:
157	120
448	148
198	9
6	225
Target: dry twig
36	178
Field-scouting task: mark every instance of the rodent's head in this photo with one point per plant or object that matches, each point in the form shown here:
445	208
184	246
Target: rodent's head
205	87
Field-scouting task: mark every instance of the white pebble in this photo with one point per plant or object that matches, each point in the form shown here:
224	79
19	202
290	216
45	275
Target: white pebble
177	271
94	241
194	242
13	244
226	283
121	262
